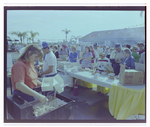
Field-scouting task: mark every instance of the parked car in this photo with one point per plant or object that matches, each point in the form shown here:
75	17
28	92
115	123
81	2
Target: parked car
9	50
12	48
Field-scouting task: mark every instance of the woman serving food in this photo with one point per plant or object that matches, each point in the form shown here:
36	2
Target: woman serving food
24	75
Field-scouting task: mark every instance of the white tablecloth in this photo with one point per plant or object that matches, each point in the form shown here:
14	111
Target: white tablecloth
102	80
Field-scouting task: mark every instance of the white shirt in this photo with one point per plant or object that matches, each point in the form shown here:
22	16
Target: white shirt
78	48
97	52
117	55
50	60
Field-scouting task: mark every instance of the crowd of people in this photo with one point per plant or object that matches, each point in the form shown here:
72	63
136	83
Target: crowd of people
101	58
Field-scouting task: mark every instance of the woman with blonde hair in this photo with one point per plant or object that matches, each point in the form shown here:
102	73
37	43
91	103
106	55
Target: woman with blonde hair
103	63
73	55
129	60
24	75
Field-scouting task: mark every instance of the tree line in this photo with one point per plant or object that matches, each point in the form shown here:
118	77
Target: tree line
23	35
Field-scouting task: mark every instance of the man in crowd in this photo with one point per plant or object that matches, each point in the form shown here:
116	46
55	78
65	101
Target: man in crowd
78	50
97	51
116	58
142	59
50	62
104	48
141	47
128	46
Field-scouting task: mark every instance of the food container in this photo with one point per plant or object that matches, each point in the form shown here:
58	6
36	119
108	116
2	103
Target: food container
63	65
104	73
74	70
23	110
111	75
96	75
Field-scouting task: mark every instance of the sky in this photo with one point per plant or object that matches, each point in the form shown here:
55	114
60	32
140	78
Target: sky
50	23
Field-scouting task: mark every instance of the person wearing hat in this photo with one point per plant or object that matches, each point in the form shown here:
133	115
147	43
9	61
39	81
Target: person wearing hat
50	62
97	51
116	58
63	52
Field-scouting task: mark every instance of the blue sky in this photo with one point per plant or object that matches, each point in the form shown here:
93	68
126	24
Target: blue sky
50	23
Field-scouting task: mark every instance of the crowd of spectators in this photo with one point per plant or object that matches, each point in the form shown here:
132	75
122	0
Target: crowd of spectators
100	56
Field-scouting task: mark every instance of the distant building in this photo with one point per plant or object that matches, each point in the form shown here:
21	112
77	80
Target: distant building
110	37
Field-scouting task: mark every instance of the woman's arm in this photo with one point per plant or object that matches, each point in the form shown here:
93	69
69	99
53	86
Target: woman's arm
88	58
25	89
123	61
132	64
76	56
70	56
81	56
39	83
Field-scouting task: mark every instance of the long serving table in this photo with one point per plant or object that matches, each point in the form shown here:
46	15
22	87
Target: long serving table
124	101
102	80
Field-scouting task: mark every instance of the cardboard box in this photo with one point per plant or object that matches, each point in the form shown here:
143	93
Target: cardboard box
131	77
139	66
49	82
63	65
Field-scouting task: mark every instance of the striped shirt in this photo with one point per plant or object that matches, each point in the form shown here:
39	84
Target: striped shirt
101	64
86	63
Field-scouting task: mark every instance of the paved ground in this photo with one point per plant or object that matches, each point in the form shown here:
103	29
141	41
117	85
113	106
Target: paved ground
84	107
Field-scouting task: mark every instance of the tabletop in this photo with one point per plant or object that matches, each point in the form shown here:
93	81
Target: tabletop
102	80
